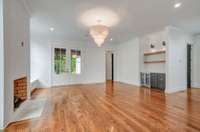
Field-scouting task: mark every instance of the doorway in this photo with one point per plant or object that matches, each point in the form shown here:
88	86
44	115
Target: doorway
189	65
109	66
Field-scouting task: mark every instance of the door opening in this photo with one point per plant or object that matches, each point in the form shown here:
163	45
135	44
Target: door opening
112	67
109	66
189	65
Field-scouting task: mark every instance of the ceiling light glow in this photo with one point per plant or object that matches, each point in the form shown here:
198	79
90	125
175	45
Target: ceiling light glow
177	5
91	17
51	29
99	20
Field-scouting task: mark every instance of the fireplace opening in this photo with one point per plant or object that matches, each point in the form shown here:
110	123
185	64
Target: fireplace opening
20	91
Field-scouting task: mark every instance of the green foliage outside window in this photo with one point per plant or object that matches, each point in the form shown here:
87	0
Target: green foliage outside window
60	60
75	61
73	64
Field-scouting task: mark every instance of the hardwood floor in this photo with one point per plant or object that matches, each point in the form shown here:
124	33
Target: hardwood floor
114	107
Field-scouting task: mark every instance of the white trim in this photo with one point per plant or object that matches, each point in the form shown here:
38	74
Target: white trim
2	72
196	85
175	90
129	83
27	6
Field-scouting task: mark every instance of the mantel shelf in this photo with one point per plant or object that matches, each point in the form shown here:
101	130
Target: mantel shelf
154	62
155	52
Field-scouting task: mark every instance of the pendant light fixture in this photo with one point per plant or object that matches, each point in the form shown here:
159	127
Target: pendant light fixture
99	20
99	33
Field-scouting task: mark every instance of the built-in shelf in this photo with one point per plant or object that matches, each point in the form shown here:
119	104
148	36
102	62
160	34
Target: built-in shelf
154	62
155	52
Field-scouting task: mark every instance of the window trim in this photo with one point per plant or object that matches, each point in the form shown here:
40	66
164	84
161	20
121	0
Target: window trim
68	66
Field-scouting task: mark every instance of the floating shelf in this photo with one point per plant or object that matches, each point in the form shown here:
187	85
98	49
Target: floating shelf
154	62
155	52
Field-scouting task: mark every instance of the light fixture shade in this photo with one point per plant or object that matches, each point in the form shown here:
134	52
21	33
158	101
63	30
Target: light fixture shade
99	33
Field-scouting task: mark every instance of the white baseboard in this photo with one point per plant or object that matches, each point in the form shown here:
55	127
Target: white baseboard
175	90
95	82
196	85
129	83
79	83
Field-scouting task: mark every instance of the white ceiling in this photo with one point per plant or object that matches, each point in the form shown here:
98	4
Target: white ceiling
137	17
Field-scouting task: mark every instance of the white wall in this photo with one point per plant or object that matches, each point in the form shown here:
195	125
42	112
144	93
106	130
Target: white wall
1	66
92	63
17	58
127	62
156	39
177	59
196	62
93	67
40	64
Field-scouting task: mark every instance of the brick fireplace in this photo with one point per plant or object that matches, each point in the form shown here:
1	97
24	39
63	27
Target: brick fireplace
20	91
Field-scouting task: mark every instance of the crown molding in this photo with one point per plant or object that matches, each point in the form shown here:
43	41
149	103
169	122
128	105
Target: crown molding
27	6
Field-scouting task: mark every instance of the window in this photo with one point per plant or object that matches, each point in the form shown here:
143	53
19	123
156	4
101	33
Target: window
60	60
75	61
